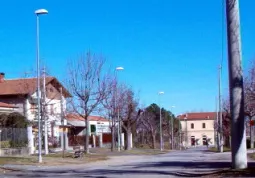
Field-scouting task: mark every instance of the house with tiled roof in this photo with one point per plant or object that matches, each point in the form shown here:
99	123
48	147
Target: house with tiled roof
21	94
198	128
7	108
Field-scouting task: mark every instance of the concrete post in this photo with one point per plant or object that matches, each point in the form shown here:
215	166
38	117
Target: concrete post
30	135
122	140
94	141
131	140
100	140
66	139
238	134
61	131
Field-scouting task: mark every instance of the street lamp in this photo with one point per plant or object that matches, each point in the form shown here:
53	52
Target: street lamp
118	111
160	122
38	13
172	131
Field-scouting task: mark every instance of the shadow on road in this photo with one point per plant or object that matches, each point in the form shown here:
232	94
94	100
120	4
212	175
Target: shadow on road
192	165
143	169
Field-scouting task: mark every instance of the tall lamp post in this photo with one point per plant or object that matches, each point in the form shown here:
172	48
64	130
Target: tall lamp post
172	130
38	13
160	122
118	111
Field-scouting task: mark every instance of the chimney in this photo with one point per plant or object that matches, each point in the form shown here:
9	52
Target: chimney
1	77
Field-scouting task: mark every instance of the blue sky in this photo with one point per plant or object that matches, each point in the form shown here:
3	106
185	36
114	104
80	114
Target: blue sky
164	45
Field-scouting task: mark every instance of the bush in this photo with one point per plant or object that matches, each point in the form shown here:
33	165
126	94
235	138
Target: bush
5	144
18	144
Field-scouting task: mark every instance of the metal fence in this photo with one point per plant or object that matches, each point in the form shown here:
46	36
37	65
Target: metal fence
13	137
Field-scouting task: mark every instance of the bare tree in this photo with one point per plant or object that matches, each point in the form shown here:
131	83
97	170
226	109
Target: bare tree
249	99
109	105
88	86
130	112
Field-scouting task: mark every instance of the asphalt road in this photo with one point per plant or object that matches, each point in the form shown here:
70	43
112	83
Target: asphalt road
188	163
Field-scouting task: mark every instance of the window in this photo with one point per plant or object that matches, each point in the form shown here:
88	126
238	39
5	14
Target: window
92	128
192	126
203	125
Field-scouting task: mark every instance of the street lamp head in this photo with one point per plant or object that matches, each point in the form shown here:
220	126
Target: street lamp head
119	68
172	106
161	93
41	12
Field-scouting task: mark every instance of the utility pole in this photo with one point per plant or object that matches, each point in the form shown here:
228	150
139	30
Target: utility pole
216	130
118	116
172	133
160	123
238	134
160	129
220	130
44	114
180	132
172	129
62	122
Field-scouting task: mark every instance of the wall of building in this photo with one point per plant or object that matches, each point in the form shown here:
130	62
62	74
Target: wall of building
198	132
17	101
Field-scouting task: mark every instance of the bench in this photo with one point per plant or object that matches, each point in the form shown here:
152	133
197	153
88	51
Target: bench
78	153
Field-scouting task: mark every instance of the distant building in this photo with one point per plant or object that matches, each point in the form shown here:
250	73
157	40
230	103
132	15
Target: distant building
97	124
198	128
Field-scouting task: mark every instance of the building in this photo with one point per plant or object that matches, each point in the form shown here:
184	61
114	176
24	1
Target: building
99	130
7	108
198	128
97	124
22	95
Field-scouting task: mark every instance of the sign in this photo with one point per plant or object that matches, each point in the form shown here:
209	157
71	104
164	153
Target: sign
103	128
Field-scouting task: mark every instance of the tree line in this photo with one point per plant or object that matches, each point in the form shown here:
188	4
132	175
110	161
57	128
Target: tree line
96	89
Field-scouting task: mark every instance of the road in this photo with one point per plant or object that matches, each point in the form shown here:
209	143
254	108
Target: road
188	163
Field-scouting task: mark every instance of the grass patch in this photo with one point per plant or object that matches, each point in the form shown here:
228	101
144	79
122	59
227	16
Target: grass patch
16	160
225	149
52	159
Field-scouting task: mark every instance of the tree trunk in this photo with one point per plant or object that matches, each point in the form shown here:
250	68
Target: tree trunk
170	142
142	139
113	139
129	135
153	136
86	147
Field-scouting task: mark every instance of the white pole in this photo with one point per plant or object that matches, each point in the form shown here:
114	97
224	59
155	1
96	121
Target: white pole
220	115
45	114
160	123
238	134
38	92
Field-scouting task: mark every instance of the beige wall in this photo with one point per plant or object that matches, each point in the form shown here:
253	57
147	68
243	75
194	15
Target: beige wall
198	131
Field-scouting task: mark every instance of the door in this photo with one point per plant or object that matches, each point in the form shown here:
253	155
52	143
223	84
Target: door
193	141
204	140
